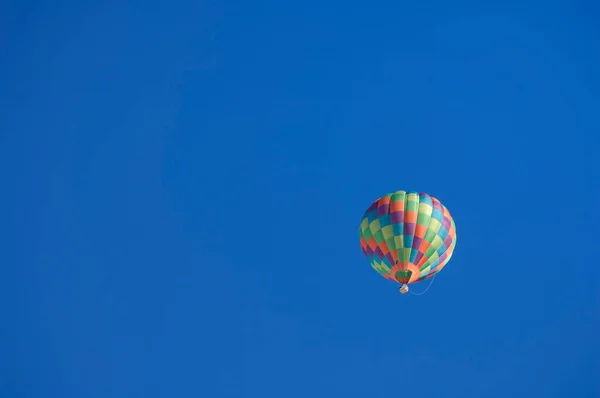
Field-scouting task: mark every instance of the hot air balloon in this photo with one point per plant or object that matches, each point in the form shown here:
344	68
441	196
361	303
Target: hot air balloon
407	237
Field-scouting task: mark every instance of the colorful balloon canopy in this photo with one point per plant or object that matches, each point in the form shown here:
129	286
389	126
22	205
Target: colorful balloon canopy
407	236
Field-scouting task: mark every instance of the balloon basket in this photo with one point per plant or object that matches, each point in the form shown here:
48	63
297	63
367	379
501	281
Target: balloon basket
404	289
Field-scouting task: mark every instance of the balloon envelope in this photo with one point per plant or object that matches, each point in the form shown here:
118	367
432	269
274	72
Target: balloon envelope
407	236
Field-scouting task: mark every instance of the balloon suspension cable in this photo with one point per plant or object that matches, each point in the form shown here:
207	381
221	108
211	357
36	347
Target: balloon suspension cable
430	282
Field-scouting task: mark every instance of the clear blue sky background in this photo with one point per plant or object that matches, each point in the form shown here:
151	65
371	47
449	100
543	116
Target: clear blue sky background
182	183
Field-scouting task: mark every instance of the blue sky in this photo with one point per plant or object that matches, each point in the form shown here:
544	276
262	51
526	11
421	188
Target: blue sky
183	183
